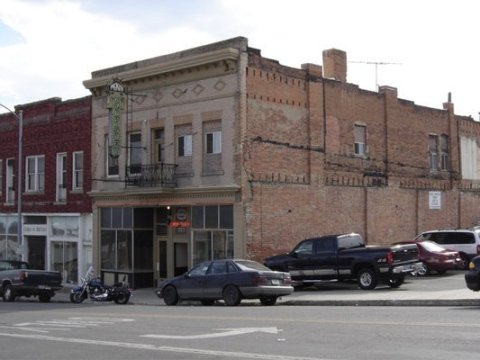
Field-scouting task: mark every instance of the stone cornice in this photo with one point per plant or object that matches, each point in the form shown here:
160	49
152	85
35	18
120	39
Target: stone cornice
165	67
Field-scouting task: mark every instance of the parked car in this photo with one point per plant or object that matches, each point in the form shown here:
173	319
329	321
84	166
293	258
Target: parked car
436	258
472	277
346	257
465	241
230	279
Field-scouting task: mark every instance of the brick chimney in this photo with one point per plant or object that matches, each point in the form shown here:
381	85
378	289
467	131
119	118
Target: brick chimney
335	64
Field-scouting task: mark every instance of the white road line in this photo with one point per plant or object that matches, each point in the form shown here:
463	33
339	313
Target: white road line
232	354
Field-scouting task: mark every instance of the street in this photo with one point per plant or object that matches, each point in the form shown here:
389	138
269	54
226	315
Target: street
30	330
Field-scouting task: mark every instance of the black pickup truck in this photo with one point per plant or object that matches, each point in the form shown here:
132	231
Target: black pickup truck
346	257
17	279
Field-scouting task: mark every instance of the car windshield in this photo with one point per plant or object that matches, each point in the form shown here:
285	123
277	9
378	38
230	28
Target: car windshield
246	265
431	246
200	269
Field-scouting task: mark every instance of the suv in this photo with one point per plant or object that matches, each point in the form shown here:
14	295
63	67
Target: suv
465	241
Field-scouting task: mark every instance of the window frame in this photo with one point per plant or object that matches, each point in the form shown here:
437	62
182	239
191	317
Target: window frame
213	142
77	173
185	145
38	177
360	147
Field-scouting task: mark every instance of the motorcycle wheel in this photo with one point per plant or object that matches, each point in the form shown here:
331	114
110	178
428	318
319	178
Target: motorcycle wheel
76	298
122	299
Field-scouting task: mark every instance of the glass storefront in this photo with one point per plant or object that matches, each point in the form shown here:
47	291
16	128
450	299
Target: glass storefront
8	237
65	259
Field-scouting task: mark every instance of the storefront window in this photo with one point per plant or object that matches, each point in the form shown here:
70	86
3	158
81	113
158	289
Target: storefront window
8	237
124	250
212	245
64	226
108	245
65	260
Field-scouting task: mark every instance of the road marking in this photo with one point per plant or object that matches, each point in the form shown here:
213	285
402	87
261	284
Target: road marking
226	332
226	354
71	323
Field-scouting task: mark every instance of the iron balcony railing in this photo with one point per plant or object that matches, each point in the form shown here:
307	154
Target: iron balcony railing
152	175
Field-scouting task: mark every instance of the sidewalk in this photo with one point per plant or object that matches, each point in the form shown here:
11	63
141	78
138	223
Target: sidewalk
447	290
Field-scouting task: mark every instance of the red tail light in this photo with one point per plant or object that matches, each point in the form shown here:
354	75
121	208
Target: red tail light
22	275
259	279
390	257
478	249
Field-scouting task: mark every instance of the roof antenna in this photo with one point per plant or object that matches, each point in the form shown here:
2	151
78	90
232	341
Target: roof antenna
376	63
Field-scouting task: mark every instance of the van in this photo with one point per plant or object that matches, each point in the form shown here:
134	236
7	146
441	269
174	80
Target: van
465	241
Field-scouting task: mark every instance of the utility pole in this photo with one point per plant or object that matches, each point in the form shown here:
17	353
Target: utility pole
376	63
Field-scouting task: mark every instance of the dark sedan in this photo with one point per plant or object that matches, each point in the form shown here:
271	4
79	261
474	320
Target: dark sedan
436	258
472	277
228	279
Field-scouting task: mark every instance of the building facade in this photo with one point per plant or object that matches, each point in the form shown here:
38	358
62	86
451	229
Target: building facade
56	211
219	152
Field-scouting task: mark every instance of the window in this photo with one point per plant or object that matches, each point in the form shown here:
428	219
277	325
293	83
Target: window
185	145
1	173
61	193
432	152
214	142
78	170
110	160
9	181
35	173
135	153
444	152
65	260
158	145
359	133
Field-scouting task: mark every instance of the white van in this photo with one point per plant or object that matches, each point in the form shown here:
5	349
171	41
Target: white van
465	241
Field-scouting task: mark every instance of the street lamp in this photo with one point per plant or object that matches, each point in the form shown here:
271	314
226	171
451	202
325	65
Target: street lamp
19	179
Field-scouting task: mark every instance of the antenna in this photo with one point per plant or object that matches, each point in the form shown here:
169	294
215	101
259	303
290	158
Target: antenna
376	63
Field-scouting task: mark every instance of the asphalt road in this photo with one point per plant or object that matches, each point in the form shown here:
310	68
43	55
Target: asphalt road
30	330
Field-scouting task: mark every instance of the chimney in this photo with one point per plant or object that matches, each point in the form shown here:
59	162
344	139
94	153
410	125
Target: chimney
335	64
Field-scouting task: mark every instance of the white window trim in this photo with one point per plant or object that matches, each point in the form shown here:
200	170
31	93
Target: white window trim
37	175
75	185
61	173
216	142
187	145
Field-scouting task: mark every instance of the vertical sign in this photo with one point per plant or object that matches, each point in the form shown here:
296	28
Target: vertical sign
115	103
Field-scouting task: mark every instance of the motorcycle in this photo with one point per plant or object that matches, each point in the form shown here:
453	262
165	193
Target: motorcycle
92	287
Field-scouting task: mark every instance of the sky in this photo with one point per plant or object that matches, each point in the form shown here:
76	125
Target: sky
425	49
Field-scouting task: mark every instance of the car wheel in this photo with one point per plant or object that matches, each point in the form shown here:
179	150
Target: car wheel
423	270
367	279
207	302
170	295
395	282
231	295
8	293
268	301
44	298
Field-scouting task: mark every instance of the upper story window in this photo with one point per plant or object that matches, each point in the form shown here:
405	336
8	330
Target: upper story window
35	173
1	175
444	153
135	153
61	193
185	145
213	142
433	152
78	170
159	145
360	138
10	181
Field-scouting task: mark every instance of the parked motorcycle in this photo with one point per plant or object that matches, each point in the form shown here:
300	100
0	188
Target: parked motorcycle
92	287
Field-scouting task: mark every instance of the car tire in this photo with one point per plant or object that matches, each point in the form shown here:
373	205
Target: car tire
423	270
268	301
8	293
170	295
231	295
367	279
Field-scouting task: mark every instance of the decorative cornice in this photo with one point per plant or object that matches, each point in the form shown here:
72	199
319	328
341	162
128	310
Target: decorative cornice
166	67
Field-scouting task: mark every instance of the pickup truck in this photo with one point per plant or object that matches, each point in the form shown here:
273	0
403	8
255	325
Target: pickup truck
17	279
346	257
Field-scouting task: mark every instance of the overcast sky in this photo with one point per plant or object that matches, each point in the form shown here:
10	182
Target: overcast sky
428	48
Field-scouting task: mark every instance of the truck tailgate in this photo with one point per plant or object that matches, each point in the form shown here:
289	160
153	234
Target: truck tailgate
51	279
405	253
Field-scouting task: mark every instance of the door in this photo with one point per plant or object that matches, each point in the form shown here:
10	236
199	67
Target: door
215	279
36	252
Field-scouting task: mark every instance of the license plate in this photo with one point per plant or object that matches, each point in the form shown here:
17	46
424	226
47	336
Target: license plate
43	287
275	282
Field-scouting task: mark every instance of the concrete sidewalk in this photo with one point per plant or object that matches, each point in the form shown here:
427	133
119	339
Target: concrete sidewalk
435	290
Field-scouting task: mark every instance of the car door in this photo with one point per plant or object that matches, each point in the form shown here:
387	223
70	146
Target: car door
215	279
324	261
192	283
301	265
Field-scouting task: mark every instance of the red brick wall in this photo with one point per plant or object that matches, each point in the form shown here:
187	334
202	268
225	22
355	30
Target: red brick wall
50	127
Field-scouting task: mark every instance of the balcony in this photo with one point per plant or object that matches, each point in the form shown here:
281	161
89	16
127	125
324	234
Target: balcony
152	175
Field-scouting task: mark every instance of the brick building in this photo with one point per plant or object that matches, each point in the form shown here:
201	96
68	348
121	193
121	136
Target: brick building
56	209
217	151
